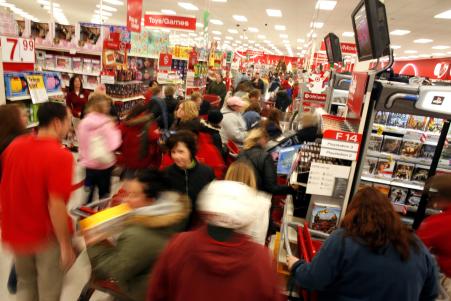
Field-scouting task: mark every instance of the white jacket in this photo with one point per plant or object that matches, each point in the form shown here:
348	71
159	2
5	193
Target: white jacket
233	127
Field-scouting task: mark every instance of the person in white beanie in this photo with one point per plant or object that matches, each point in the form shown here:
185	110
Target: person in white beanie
217	261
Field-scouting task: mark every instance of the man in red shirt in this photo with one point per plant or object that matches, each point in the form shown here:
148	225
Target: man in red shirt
435	231
35	187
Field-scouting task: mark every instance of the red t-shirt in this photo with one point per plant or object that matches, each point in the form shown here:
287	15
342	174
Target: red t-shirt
435	232
32	169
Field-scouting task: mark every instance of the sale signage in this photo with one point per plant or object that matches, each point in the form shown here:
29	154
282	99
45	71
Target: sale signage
171	22
17	50
356	95
349	48
315	96
431	68
340	145
134	14
37	89
165	61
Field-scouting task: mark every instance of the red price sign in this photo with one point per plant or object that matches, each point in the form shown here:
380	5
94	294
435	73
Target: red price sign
343	136
17	50
341	145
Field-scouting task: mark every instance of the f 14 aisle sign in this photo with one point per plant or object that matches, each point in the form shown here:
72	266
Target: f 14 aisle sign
340	145
17	50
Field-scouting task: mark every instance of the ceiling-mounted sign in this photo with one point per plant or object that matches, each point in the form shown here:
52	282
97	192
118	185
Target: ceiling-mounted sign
134	14
171	22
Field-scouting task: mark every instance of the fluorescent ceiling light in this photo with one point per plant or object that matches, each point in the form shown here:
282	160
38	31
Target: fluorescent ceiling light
168	12
423	41
216	22
325	5
267	41
286	42
217	38
188	6
301	41
439	54
252	29
274	12
114	2
349	34
232	30
444	15
104	13
395	46
283	35
317	25
199	24
107	8
220	1
410	51
280	27
400	32
424	55
216	32
261	36
240	18
229	38
440	47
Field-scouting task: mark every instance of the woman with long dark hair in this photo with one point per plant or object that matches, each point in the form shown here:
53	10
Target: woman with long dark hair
373	256
77	97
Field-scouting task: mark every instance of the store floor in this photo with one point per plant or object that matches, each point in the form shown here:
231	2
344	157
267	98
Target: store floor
77	276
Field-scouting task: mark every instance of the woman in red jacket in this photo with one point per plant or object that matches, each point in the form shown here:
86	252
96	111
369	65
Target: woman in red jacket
435	231
77	97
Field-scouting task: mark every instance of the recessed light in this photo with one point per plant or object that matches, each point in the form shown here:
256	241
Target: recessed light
240	18
229	38
216	32
199	24
114	2
188	6
424	55
317	25
440	47
325	5
216	22
252	29
301	41
423	41
280	27
232	30
439	54
444	15
107	8
274	12
395	46
261	36
410	51
400	32
349	34
168	12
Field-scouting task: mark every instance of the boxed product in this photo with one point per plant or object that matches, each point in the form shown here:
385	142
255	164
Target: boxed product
87	65
325	217
52	81
286	156
397	120
370	166
416	122
384	189
435	125
414	198
391	145
398	195
77	64
420	173
63	62
403	171
15	84
410	148
96	67
375	143
49	61
427	151
385	168
381	117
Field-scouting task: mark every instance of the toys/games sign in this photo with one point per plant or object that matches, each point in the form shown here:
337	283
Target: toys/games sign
171	22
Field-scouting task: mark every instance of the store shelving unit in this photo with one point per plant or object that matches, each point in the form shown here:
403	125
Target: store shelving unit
138	97
71	51
18	98
392	183
72	71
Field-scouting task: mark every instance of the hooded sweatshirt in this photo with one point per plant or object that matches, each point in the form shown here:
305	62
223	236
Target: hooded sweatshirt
138	247
97	124
233	126
195	267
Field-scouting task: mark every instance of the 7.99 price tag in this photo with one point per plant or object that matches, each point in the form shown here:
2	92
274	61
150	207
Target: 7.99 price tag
17	50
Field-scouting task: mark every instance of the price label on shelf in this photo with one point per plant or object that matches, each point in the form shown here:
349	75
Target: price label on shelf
26	50
340	145
17	50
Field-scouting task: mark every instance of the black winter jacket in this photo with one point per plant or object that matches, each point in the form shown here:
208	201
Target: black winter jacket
171	104
265	171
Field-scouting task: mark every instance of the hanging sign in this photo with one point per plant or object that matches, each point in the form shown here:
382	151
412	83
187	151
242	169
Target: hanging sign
357	92
134	14
340	145
171	22
37	89
165	61
17	50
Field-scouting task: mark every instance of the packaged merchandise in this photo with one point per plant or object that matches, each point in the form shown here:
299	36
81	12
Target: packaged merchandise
96	67
384	189
325	217
52	81
375	143
416	122
285	161
370	166
420	173
403	171
49	61
385	168
77	64
427	151
435	125
391	145
414	198
15	84
87	65
398	195
410	148
397	120
63	62
381	117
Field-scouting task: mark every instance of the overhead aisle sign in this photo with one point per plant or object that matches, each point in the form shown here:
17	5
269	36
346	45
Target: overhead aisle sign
170	22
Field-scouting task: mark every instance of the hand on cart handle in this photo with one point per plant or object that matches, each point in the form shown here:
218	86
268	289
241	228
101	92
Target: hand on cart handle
291	260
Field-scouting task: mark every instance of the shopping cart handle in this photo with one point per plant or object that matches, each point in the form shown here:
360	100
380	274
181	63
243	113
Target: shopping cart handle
87	210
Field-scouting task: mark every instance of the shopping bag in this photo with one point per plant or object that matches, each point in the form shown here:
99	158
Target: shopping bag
99	152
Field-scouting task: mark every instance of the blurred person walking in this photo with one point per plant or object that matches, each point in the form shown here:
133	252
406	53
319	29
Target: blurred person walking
217	87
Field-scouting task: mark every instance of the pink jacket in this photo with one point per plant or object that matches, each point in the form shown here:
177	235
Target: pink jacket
97	124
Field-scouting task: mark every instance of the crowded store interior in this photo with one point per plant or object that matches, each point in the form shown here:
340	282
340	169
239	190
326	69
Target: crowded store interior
225	150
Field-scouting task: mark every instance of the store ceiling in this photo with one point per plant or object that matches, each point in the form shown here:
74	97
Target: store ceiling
416	16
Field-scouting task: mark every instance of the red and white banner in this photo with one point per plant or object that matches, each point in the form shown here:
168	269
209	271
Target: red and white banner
134	15
254	53
357	92
165	61
171	22
348	48
431	68
314	96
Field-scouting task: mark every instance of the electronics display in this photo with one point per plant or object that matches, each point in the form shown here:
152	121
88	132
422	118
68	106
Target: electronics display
333	48
369	21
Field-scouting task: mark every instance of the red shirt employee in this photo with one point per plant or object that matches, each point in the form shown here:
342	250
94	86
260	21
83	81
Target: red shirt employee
77	97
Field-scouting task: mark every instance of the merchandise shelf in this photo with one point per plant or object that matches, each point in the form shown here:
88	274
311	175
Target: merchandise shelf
18	98
128	98
392	183
72	71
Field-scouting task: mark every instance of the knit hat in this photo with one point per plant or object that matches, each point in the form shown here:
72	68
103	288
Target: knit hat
228	204
235	101
215	117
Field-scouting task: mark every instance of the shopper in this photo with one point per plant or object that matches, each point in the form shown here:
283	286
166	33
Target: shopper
76	97
258	83
157	106
217	262
150	92
99	138
171	102
373	256
252	115
275	84
217	87
283	100
233	126
35	186
213	128
311	128
157	215
435	230
187	175
255	96
140	136
203	105
187	117
262	162
272	123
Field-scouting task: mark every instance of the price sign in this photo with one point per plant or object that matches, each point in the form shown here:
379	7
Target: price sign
17	50
341	145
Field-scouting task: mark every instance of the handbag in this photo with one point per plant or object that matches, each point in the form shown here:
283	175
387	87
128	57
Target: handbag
99	152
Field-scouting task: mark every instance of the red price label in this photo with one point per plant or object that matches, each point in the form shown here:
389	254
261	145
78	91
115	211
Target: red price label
343	136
